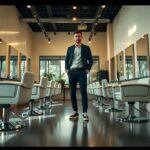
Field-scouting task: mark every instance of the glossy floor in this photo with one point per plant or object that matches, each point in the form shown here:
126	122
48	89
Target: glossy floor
55	129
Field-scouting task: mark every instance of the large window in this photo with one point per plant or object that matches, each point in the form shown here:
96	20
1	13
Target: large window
55	65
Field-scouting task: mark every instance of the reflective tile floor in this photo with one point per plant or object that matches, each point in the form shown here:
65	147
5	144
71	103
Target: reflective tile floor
54	129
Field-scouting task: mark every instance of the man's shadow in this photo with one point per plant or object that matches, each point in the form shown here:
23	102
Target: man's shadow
73	138
84	141
74	141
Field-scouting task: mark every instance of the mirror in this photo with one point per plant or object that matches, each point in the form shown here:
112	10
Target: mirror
3	52
29	64
93	74
112	64
13	63
120	68
23	64
129	62
142	51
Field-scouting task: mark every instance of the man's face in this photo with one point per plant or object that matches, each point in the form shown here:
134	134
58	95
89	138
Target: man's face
77	38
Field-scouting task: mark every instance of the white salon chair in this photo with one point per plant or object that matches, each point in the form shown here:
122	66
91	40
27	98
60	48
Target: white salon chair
38	93
49	91
98	92
132	93
109	95
17	93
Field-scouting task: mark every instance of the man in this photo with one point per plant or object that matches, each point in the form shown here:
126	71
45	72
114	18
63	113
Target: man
78	63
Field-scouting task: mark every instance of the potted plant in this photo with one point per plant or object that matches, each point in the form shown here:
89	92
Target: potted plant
50	76
62	79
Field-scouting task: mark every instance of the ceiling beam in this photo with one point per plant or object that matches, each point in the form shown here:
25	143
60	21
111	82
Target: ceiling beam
64	20
49	10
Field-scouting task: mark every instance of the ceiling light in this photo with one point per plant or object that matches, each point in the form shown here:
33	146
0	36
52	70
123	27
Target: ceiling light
49	41
74	7
28	6
0	41
34	16
89	41
103	6
99	15
39	23
96	23
74	18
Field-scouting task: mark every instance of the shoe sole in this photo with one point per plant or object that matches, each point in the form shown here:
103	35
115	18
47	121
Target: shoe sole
73	118
85	119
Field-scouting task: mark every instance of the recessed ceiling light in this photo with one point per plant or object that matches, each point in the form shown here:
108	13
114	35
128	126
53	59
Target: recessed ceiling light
74	7
28	6
103	6
74	18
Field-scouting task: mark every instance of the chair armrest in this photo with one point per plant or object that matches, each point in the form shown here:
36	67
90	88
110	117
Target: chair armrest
8	89
108	86
133	84
38	85
135	89
12	83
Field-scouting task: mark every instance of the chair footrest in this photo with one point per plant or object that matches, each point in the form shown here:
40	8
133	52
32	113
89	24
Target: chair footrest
34	113
9	126
132	119
113	110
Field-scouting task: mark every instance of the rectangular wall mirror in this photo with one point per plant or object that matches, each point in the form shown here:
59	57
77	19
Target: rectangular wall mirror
120	65
3	52
23	64
142	51
129	62
29	64
112	65
13	63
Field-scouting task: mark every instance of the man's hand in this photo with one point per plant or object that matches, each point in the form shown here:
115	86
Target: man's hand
87	71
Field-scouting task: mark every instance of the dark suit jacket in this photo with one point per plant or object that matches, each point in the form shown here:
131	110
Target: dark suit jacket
86	57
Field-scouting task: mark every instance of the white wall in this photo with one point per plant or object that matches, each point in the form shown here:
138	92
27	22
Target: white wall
128	16
14	32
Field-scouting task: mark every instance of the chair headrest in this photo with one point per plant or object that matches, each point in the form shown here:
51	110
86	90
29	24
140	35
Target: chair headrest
44	82
28	79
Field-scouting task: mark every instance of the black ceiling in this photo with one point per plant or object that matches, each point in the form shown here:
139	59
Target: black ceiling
64	12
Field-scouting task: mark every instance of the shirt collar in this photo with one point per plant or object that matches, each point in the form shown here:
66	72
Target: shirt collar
79	46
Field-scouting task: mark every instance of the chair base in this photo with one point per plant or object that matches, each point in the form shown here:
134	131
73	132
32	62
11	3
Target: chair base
44	107
133	119
113	110
31	113
8	126
34	113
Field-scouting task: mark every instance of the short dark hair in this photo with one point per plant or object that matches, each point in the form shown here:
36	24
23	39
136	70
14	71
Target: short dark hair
77	31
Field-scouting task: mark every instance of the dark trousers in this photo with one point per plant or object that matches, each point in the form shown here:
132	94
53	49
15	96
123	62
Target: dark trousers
81	78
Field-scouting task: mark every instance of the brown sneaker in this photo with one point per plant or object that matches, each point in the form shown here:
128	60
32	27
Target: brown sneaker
85	117
74	116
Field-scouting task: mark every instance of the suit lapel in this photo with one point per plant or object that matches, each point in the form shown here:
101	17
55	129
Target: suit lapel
72	51
82	51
